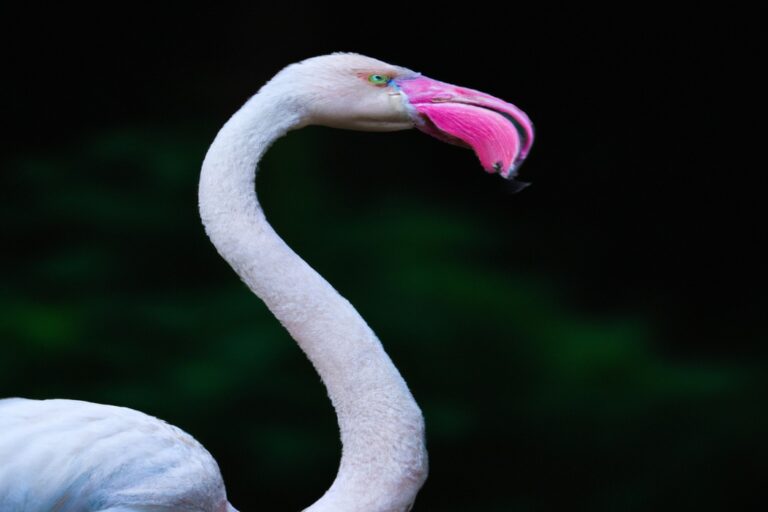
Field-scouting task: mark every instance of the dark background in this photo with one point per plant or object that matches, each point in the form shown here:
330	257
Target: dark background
595	342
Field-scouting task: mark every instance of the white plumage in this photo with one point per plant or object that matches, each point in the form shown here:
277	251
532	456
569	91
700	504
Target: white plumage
73	456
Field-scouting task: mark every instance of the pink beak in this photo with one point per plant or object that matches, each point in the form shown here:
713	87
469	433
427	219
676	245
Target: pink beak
500	133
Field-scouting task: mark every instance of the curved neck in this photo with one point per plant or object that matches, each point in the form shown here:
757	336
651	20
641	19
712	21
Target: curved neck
383	461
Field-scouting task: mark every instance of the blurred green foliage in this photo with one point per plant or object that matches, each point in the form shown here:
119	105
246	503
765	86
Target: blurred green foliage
112	293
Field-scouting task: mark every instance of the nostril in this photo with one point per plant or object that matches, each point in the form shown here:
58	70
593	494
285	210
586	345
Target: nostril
441	98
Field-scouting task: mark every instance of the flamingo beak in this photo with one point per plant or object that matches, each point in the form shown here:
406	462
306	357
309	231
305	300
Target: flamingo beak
500	133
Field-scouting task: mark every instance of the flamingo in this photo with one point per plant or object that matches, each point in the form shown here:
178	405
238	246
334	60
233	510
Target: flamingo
73	456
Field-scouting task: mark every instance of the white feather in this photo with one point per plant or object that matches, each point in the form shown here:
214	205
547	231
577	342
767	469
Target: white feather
72	456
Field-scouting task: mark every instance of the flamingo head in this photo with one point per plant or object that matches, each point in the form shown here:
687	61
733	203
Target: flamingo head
360	93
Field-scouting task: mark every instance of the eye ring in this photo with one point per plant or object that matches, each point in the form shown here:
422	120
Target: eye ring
379	80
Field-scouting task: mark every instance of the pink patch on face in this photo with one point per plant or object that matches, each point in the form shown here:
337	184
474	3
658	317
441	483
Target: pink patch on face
499	132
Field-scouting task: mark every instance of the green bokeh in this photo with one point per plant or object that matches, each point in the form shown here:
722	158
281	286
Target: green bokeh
113	294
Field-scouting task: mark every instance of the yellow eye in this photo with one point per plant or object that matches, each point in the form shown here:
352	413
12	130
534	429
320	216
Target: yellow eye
379	79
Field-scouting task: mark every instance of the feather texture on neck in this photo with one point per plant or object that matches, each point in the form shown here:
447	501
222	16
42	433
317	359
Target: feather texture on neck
384	461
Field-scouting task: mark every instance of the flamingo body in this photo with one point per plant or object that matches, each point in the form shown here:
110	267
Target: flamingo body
73	456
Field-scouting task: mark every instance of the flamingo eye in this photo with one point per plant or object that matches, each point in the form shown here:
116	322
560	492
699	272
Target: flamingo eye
379	79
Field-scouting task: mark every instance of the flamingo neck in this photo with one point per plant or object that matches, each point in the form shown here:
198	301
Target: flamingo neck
383	462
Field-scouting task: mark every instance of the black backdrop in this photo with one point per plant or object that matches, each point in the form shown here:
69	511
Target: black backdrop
593	342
